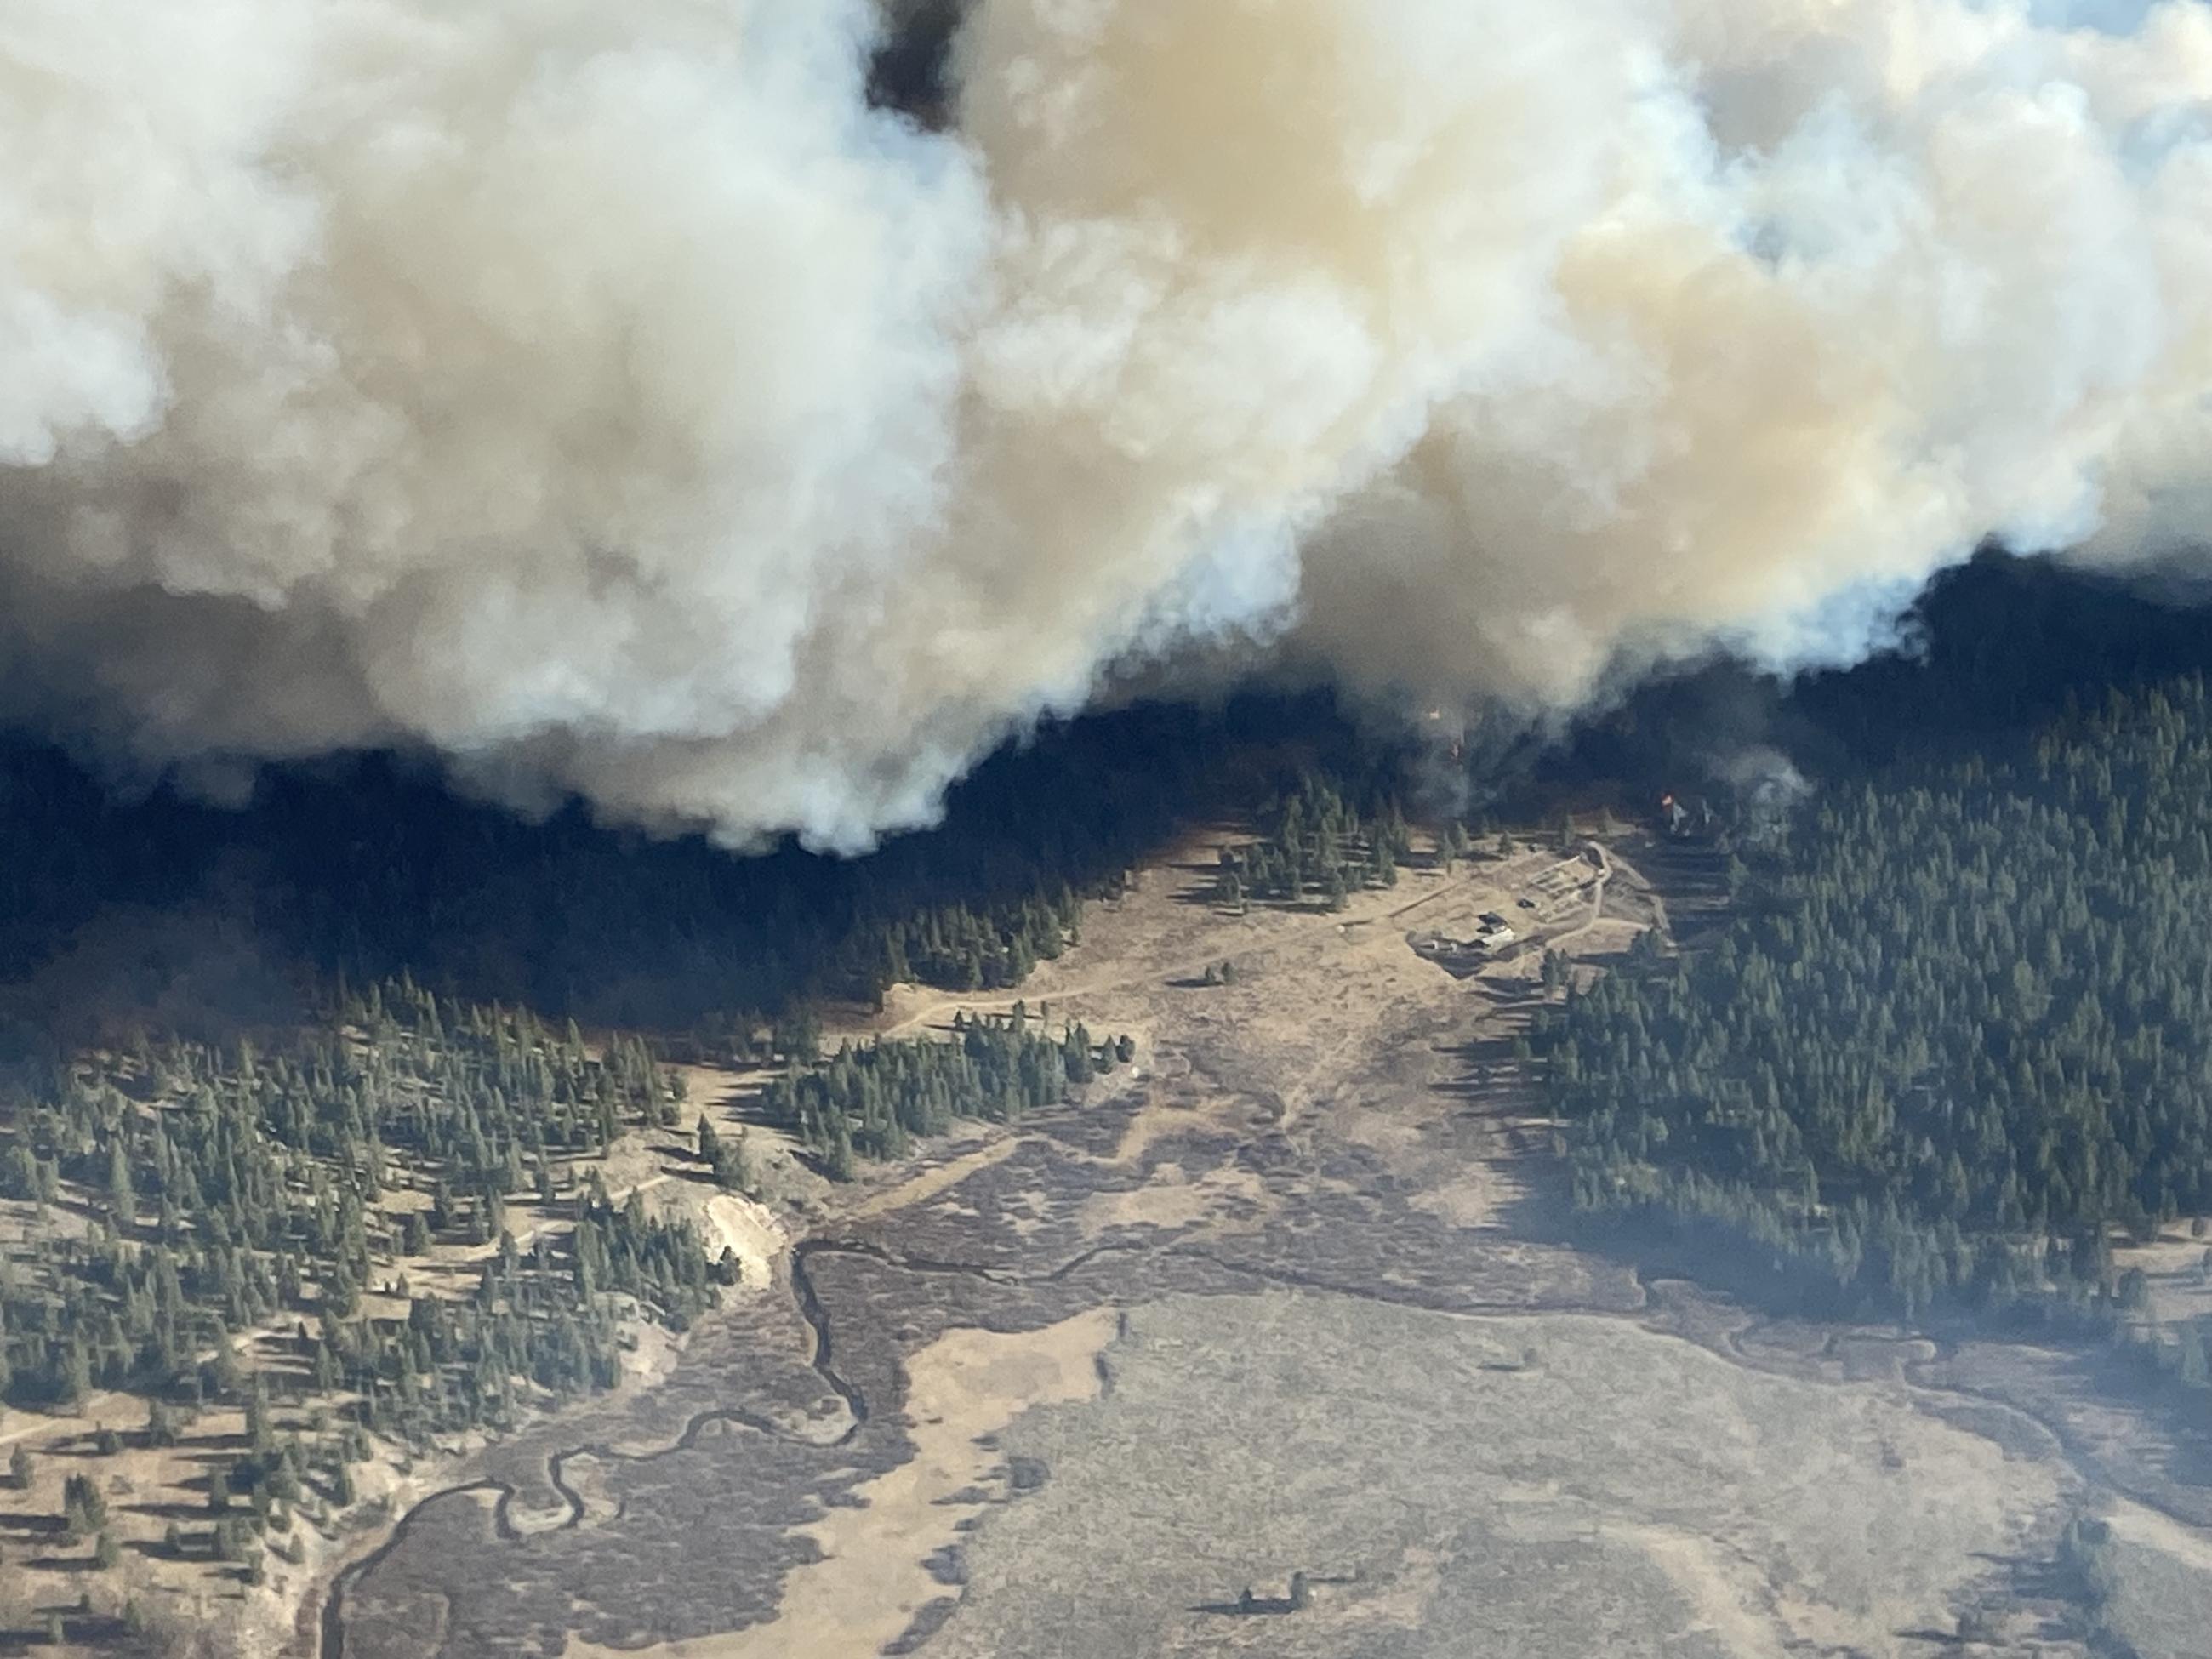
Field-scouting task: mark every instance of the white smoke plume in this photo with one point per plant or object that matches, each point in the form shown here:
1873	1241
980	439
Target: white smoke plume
609	399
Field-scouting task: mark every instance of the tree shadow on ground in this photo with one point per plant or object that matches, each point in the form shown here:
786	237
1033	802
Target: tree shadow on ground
1252	1607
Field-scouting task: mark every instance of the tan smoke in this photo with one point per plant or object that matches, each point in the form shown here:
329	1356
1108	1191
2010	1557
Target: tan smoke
606	397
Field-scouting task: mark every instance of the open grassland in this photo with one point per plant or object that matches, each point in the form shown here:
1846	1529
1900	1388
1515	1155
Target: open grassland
1309	1239
1471	1486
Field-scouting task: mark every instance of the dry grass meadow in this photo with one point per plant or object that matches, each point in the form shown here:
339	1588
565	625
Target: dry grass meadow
1289	1295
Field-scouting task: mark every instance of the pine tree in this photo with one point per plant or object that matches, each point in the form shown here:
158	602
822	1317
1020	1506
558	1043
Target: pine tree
84	1507
122	1199
840	1164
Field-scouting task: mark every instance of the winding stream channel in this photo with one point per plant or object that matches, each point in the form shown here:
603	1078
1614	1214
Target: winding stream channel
808	1303
808	1300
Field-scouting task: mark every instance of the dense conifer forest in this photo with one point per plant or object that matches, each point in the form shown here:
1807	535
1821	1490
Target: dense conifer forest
870	1101
185	1194
1324	836
1956	1030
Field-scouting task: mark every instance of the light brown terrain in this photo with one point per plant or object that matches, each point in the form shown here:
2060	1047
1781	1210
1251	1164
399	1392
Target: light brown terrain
1288	1295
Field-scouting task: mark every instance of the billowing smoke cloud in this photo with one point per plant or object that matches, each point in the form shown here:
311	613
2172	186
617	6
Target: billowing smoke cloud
607	398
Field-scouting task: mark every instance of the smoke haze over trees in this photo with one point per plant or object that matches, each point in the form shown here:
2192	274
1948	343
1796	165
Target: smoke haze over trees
1954	1032
640	402
169	913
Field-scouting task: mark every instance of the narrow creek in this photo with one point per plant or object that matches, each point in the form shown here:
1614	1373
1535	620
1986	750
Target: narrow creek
808	1303
806	1298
